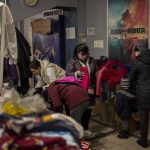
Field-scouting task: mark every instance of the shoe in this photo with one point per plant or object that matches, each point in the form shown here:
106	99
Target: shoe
123	134
85	145
143	144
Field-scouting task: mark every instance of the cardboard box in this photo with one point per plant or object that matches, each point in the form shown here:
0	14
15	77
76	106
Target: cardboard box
41	26
107	113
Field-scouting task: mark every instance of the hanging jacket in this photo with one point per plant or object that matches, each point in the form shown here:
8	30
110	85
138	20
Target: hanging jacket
8	43
8	33
24	54
111	72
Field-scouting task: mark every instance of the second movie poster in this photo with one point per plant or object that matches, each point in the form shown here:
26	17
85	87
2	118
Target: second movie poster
127	27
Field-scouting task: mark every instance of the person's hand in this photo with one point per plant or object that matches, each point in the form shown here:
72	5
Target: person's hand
80	73
38	90
91	91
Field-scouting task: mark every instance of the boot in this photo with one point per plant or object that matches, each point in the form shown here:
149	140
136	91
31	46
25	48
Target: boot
123	134
142	143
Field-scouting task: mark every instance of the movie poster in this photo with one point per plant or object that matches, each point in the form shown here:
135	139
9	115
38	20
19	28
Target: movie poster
127	28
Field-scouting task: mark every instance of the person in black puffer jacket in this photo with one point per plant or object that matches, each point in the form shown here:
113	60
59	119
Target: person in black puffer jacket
125	101
140	79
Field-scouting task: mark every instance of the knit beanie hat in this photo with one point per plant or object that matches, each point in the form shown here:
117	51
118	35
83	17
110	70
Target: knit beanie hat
124	83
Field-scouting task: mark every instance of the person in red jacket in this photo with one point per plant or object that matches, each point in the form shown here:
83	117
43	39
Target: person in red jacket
72	96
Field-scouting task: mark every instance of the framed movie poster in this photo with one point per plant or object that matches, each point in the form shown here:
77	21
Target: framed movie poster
127	28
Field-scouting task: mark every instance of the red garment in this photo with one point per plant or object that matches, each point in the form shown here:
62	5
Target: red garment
98	80
112	71
30	142
67	94
85	78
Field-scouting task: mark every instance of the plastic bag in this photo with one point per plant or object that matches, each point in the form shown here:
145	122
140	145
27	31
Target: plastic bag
12	104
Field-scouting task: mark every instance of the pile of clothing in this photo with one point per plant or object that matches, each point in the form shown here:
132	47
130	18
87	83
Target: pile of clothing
36	129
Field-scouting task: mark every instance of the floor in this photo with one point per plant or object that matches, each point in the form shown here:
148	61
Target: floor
106	138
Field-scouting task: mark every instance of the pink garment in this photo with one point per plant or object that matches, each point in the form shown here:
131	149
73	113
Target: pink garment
85	78
70	79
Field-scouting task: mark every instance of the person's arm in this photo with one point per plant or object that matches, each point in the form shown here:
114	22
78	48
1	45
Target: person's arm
39	82
71	68
51	73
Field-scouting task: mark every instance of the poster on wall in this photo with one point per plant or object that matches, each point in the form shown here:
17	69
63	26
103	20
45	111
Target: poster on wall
127	28
46	37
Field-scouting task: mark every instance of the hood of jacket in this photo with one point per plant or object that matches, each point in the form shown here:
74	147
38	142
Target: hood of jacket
144	57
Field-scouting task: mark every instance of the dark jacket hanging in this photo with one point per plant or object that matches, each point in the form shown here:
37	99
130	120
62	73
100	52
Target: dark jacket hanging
24	54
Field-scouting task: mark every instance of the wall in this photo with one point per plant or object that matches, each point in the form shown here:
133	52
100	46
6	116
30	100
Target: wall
20	11
96	12
82	21
91	13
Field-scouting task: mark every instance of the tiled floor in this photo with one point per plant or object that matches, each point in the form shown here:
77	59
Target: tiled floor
111	142
107	139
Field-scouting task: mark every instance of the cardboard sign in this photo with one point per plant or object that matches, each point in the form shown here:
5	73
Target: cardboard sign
41	26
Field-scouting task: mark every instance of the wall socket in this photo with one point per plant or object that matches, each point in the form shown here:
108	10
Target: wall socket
98	44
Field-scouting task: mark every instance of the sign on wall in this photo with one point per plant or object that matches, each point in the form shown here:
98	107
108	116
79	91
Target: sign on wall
41	26
127	27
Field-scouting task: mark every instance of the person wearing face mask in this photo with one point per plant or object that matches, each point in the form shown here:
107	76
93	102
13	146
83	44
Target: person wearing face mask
84	67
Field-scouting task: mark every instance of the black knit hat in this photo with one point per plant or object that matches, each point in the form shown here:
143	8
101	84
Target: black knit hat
141	46
82	47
